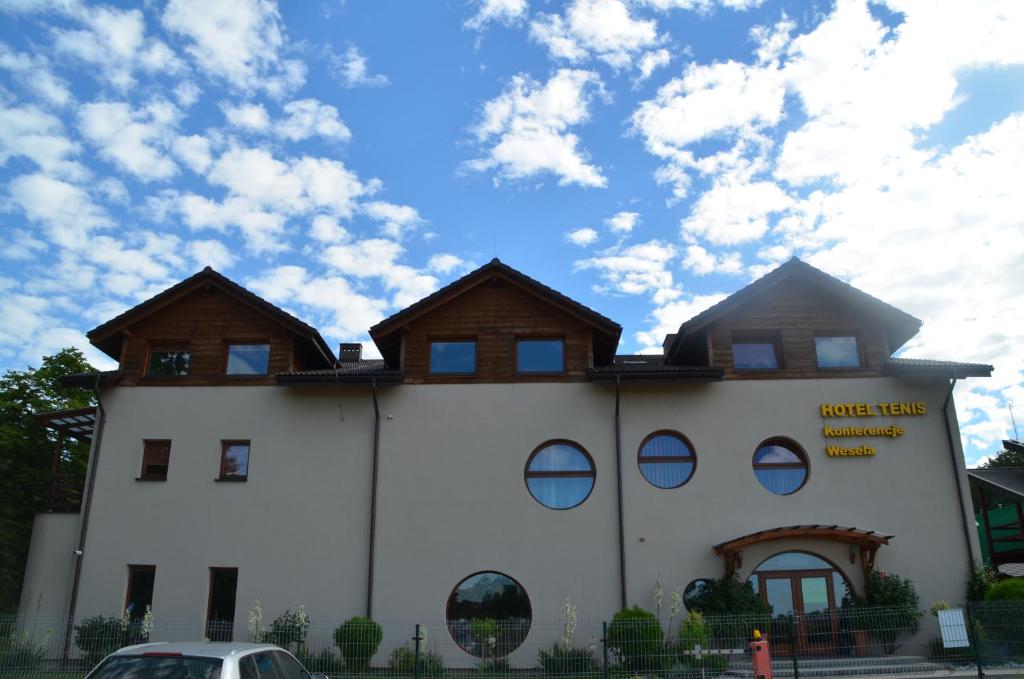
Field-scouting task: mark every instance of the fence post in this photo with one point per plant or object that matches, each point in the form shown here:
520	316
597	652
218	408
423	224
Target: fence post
794	642
416	654
974	641
604	648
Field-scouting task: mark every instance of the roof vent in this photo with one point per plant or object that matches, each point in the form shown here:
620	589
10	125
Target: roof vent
351	352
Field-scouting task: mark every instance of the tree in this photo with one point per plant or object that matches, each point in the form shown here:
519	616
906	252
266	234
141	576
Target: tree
26	455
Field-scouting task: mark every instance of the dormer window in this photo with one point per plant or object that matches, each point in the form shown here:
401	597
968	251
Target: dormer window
453	357
248	359
540	355
756	352
837	351
168	360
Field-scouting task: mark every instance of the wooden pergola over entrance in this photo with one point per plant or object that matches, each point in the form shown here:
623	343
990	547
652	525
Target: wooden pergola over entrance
66	489
867	541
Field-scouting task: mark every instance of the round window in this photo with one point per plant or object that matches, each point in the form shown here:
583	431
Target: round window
666	459
780	465
489	614
560	474
692	591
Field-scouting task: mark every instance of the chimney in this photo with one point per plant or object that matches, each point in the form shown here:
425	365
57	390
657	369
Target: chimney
350	352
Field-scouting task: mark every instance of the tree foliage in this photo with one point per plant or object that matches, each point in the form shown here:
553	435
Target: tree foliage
26	455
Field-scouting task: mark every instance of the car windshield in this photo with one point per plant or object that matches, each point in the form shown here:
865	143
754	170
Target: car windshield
158	667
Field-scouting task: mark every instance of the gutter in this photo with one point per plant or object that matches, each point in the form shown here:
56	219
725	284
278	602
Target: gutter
710	375
373	500
956	474
618	479
94	459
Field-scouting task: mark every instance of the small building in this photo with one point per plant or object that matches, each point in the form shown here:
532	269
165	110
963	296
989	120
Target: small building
502	451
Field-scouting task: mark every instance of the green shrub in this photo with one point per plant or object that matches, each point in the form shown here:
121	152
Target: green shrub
403	661
494	665
694	632
99	636
895	611
288	628
22	653
1011	589
485	634
357	640
562	660
728	596
979	582
636	637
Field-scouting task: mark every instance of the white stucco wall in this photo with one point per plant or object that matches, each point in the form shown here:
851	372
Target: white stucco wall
453	500
47	584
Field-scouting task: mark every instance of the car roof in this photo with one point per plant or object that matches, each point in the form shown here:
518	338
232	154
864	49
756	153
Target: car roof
203	649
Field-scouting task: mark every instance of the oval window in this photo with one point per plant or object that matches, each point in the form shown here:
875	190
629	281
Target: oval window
666	459
560	475
780	466
692	591
488	614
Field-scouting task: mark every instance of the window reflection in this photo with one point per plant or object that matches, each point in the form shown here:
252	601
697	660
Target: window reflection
560	475
489	614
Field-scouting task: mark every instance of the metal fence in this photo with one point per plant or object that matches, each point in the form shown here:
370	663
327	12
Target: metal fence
981	639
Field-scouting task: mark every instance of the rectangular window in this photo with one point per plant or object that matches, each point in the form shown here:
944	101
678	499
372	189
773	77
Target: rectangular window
234	460
837	352
457	357
140	590
168	360
220	614
248	359
755	352
156	456
540	355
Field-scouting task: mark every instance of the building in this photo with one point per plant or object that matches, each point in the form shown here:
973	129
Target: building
501	446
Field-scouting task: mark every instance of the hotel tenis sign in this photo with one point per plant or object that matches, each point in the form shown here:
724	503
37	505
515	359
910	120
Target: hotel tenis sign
864	428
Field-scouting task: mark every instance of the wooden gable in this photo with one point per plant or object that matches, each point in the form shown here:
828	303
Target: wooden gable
495	313
795	311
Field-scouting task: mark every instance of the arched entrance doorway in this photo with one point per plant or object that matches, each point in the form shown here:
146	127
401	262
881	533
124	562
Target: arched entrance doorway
804	591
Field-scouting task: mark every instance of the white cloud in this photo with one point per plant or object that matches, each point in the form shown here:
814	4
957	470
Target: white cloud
527	128
701	262
702	5
115	42
236	40
114	190
636	269
653	60
666	319
33	73
396	219
187	93
508	12
326	229
603	29
211	253
353	70
247	116
378	258
444	263
194	151
585	236
135	140
308	117
32	133
66	210
730	213
622	222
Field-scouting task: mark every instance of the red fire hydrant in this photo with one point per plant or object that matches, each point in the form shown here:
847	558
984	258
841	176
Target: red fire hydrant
761	657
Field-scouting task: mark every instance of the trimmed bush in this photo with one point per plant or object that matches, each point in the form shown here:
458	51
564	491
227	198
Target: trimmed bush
357	640
1011	589
562	660
288	628
636	637
99	636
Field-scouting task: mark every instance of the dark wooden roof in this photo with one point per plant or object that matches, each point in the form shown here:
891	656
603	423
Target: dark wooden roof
108	337
1010	479
849	535
607	331
651	368
367	370
900	326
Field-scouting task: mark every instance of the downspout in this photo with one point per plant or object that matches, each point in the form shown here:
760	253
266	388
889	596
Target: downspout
956	474
94	459
373	500
618	478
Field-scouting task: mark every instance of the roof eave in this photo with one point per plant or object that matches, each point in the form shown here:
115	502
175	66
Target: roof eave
299	380
944	372
662	377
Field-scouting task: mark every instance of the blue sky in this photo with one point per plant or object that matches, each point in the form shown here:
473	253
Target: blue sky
646	157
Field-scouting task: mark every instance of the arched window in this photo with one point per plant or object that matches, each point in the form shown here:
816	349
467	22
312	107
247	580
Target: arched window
666	459
780	465
488	614
799	581
560	474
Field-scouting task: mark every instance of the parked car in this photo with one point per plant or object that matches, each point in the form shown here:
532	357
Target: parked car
202	660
